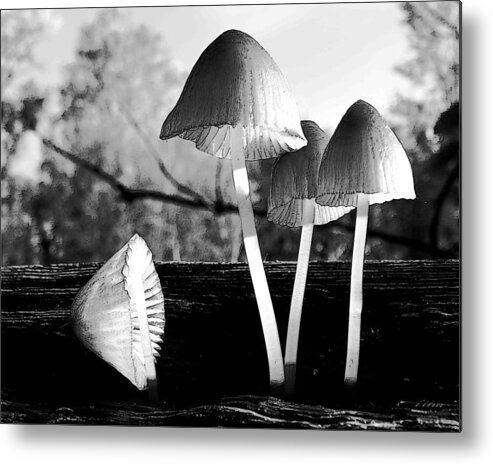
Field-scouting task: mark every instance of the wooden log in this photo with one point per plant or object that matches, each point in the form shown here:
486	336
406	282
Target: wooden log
245	411
214	350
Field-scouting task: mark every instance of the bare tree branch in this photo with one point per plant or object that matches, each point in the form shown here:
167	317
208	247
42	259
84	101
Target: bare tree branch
183	189
406	241
441	19
415	11
131	194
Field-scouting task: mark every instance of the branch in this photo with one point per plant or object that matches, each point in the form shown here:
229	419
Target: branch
415	15
398	239
441	19
129	194
157	157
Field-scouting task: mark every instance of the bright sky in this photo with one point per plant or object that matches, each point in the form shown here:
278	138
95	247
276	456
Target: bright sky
331	54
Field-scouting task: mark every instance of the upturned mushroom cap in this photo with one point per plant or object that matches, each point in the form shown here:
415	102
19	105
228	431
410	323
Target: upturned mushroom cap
294	178
364	156
104	316
235	81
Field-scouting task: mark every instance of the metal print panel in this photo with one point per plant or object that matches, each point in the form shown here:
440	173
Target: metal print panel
232	216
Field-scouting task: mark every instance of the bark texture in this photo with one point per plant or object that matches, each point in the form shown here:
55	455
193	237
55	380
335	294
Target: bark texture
213	369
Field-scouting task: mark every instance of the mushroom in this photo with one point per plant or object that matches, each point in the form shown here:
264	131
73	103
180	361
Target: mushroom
292	203
236	104
119	314
364	163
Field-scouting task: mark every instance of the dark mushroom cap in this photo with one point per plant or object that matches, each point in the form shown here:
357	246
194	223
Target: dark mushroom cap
364	156
294	178
235	81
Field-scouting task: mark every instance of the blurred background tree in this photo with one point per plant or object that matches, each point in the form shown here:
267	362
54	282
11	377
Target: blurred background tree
112	112
428	122
115	177
22	101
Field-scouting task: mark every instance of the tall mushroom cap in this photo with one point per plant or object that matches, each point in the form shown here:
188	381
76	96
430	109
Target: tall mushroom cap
235	81
364	156
104	315
294	178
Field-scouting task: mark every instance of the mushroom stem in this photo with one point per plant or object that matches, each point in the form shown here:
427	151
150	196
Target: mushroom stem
252	250
297	297
356	295
137	298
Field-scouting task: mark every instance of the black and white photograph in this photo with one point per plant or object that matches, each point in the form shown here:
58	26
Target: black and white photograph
232	216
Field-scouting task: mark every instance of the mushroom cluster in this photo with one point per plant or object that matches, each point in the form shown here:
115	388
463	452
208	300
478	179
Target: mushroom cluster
292	203
236	104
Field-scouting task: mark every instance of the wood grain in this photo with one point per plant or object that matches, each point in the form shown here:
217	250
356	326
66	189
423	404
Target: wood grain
245	412
213	353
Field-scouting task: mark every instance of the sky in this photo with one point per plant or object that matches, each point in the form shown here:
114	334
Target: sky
331	54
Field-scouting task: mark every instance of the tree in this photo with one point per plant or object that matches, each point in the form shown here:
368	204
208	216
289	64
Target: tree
22	101
433	71
121	85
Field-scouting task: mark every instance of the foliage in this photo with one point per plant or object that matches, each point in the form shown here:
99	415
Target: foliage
22	100
119	87
433	71
110	106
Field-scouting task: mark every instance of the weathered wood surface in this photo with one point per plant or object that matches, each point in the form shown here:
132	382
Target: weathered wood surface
214	355
246	412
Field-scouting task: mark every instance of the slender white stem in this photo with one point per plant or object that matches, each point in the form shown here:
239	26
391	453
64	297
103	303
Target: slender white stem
356	294
297	297
138	299
252	250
